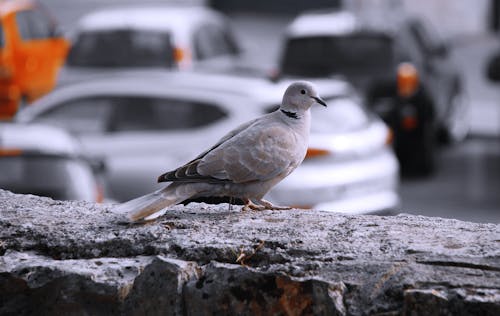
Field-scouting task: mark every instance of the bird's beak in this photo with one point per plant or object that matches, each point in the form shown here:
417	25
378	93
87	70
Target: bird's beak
317	99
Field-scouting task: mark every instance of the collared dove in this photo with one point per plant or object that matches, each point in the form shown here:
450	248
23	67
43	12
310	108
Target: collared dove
245	164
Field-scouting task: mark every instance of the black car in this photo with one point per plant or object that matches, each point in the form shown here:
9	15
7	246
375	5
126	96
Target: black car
403	69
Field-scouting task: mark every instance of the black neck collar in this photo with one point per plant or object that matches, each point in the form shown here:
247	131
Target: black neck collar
290	114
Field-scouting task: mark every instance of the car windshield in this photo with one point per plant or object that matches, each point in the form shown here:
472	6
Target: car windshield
122	48
347	55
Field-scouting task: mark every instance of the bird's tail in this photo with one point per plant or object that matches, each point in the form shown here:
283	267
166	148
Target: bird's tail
149	206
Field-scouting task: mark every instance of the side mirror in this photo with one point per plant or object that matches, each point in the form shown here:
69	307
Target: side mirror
493	68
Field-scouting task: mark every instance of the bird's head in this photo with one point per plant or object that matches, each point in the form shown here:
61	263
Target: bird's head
299	97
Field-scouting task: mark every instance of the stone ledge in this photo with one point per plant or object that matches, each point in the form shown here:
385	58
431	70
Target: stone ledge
73	258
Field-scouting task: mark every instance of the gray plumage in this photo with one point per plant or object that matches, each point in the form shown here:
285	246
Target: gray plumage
245	164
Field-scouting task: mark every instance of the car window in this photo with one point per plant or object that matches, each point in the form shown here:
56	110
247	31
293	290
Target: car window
2	37
89	115
212	41
118	114
122	48
34	24
350	54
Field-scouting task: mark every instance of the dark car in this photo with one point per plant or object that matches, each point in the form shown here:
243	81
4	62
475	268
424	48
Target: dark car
403	69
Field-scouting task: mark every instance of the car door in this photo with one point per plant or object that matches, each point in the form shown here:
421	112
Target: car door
39	53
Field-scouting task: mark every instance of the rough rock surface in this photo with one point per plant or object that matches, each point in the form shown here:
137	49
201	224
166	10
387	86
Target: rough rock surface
73	258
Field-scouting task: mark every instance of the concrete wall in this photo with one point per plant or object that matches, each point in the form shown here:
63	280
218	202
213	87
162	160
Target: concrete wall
75	258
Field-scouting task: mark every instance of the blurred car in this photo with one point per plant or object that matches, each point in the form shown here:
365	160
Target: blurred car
165	37
31	52
406	73
45	161
144	124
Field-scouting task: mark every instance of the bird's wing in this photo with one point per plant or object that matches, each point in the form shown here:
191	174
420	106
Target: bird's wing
228	136
258	153
188	172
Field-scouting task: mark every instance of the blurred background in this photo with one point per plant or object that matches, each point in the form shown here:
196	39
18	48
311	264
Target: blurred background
425	70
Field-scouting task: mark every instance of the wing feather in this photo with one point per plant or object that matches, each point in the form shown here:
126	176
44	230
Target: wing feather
259	155
189	173
256	151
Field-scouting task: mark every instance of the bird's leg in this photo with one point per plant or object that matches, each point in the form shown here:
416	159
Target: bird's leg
250	206
270	206
231	199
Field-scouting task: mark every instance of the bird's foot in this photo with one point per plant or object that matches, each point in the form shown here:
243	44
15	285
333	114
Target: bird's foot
250	206
270	206
263	205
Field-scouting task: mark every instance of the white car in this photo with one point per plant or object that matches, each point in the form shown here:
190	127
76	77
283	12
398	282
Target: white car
147	123
46	161
166	37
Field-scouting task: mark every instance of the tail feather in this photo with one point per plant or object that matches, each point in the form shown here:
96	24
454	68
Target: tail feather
148	206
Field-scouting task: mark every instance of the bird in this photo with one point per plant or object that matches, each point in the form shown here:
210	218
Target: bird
245	164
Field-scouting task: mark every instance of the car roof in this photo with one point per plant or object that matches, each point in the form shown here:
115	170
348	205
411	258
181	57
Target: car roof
174	19
37	138
260	89
194	85
338	23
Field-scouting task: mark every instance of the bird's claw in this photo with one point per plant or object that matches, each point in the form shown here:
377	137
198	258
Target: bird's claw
250	206
263	205
270	206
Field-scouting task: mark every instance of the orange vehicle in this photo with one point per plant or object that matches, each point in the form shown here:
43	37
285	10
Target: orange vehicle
31	52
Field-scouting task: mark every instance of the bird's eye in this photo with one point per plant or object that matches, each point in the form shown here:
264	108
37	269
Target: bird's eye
303	91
